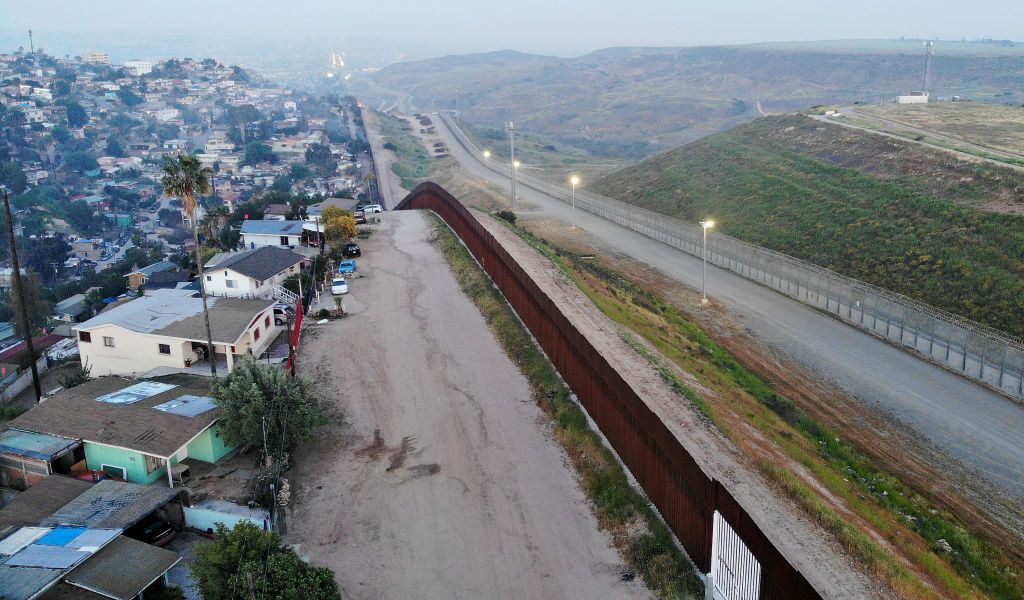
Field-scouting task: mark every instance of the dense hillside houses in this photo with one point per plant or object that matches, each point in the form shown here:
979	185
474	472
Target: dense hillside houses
82	144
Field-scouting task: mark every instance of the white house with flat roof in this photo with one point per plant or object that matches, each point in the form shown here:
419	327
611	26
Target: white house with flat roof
268	232
166	329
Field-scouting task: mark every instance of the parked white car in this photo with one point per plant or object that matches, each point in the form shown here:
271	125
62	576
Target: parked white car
339	286
373	208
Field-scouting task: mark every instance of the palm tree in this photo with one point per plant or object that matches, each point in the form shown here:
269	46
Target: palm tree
186	178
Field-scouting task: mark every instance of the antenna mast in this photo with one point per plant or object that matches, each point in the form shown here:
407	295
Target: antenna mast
928	54
31	44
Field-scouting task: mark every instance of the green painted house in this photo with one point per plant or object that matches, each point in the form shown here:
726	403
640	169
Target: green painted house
134	430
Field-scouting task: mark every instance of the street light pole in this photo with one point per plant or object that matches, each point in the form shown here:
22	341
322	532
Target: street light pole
512	157
16	273
705	225
574	181
487	158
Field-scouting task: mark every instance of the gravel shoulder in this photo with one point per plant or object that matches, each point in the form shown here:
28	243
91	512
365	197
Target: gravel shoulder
443	481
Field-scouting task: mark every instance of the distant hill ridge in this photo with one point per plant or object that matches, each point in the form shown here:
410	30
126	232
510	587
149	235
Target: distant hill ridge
663	97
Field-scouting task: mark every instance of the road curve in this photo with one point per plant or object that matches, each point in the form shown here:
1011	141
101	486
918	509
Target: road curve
978	427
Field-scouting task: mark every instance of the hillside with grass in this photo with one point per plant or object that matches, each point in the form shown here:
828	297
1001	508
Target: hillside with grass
913	220
631	102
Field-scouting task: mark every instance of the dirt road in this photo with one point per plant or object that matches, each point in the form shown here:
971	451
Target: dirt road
390	185
463	493
974	425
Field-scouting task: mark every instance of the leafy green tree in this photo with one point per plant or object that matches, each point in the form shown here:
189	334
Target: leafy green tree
257	152
13	176
81	216
128	97
114	148
254	394
299	171
282	184
39	310
186	178
77	116
80	161
62	135
223	567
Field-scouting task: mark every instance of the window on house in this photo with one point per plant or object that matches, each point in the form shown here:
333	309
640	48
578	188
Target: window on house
209	277
152	463
85	336
165	348
266	322
229	283
256	333
108	341
284	240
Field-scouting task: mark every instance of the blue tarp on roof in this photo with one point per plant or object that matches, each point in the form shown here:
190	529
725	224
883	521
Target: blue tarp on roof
34	445
60	536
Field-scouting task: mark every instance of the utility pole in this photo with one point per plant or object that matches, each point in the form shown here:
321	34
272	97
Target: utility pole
928	54
20	290
512	160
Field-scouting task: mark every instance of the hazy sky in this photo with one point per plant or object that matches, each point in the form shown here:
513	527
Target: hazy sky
565	27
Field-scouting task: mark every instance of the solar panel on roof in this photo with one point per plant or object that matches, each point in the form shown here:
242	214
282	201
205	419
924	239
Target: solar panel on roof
134	393
187	405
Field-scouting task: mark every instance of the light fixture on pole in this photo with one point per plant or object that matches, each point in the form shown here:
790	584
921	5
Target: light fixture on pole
705	225
575	181
511	127
487	156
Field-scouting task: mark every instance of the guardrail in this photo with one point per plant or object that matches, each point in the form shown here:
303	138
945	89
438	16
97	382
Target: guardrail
685	495
979	352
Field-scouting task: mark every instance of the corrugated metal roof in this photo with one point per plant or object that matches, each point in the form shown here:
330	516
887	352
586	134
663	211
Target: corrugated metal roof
188	405
36	445
112	504
134	393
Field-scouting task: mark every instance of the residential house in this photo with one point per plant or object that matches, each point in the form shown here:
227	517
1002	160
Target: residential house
27	457
277	212
74	309
7	278
250	273
138	277
62	563
257	233
88	248
170	280
165	329
137	431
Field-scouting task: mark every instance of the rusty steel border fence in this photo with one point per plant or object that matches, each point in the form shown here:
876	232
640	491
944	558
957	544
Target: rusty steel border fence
979	352
685	495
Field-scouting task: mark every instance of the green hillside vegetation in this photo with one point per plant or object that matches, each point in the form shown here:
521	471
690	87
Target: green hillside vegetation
911	220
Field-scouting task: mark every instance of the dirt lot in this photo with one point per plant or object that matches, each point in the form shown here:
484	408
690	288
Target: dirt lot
444	481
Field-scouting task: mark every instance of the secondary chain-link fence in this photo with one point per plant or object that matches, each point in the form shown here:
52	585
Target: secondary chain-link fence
975	350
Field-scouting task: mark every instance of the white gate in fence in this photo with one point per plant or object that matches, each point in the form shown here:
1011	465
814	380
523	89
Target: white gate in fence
735	573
